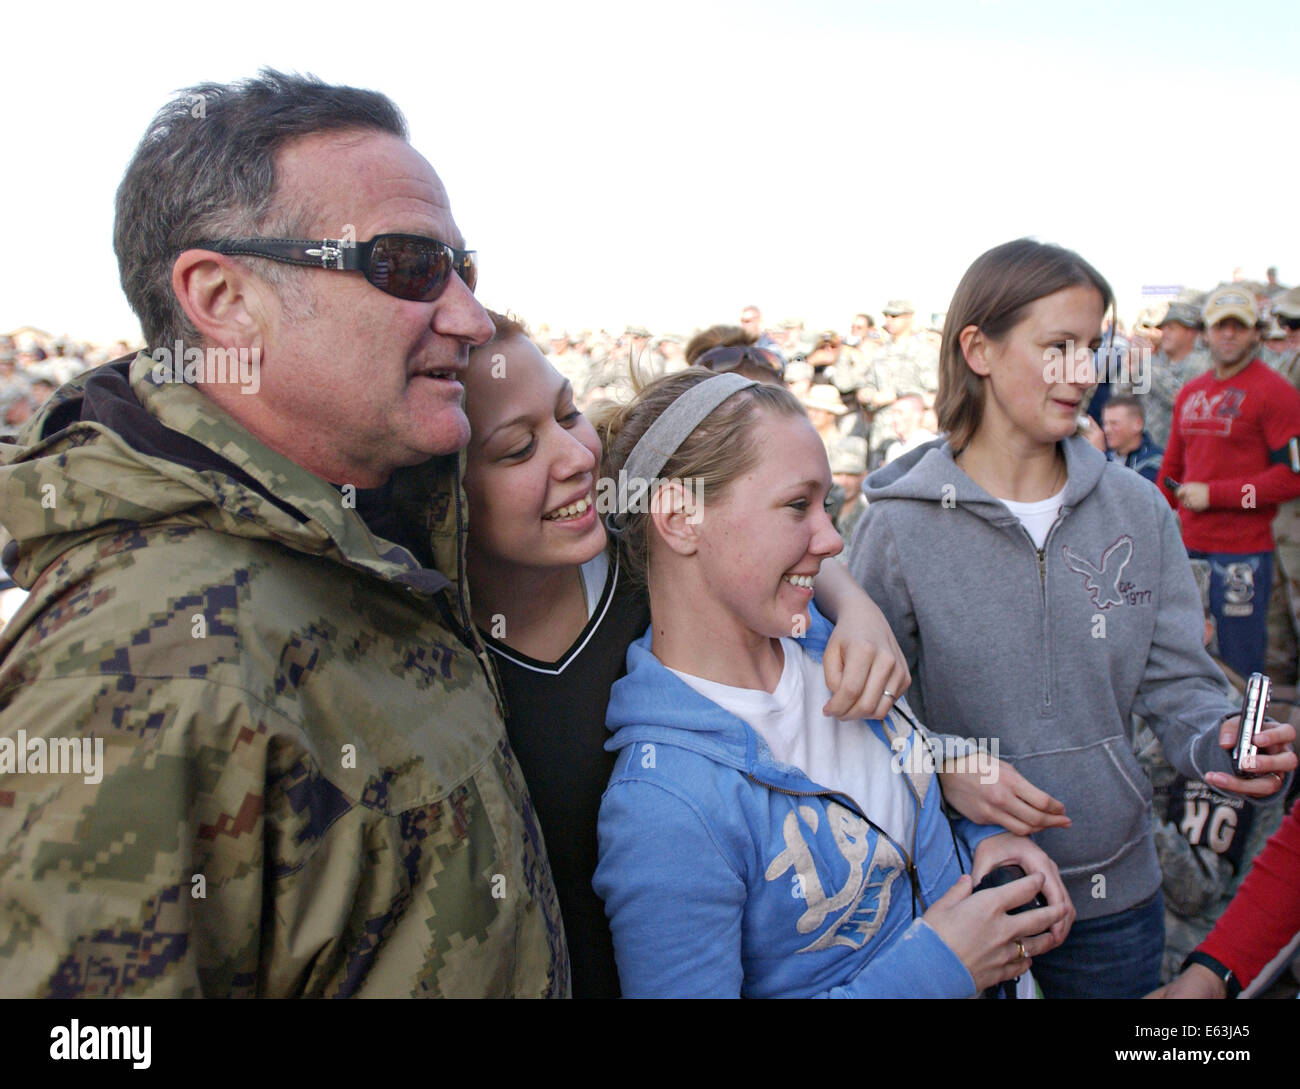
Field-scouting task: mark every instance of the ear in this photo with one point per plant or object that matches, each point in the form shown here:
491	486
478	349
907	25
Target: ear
975	349
675	513
224	301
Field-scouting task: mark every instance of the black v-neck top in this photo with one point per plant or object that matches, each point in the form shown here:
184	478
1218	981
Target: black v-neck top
556	723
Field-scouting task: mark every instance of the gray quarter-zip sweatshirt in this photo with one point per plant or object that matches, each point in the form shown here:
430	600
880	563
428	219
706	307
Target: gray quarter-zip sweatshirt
1051	650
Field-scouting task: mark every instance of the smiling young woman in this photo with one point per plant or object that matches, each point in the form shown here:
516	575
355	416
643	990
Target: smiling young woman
751	844
557	611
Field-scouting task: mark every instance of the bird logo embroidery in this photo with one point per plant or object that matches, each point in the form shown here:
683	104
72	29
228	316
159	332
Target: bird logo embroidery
1103	582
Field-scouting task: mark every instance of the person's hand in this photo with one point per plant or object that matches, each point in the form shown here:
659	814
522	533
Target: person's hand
1194	496
861	662
1197	982
977	928
1000	795
1274	759
999	850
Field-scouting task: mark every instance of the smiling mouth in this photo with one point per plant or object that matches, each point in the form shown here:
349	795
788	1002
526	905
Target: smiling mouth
804	582
572	510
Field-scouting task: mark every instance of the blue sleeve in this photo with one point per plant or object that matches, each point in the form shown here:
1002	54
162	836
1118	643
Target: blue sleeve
814	640
971	835
675	904
676	909
919	964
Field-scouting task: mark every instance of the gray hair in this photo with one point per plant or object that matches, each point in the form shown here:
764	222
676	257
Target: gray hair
205	169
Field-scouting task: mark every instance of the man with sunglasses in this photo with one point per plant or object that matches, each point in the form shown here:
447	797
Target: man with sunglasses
250	596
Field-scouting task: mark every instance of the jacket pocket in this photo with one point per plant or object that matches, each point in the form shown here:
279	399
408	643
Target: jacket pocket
1106	796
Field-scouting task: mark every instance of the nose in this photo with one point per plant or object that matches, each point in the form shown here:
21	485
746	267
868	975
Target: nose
826	541
574	458
457	313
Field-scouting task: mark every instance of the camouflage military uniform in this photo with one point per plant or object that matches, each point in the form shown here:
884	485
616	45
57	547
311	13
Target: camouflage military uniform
909	365
306	786
1205	842
1277	355
1166	380
1284	600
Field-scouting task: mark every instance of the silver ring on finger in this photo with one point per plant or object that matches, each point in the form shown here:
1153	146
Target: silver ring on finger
893	697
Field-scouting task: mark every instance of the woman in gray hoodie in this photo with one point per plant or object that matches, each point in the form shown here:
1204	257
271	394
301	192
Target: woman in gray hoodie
1042	595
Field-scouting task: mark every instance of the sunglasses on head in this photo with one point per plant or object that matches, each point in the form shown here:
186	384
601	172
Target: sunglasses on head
720	360
407	266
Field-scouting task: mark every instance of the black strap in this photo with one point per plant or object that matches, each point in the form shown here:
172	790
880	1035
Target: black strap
1287	454
1219	969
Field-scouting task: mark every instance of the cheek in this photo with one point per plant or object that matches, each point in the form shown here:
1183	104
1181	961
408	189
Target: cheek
503	502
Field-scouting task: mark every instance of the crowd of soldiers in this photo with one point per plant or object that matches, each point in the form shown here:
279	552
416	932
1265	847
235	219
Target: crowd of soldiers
33	364
870	391
870	394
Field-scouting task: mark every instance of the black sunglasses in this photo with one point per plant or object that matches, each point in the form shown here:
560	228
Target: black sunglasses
720	360
408	266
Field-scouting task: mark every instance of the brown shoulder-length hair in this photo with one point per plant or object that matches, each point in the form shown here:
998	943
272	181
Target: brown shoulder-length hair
993	295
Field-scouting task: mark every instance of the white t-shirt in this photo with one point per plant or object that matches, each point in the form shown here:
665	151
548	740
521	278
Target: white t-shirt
844	756
1036	517
595	573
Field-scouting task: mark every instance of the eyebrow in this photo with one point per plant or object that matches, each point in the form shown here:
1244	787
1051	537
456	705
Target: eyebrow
565	394
804	485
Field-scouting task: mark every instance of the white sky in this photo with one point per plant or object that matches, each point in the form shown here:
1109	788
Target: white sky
667	163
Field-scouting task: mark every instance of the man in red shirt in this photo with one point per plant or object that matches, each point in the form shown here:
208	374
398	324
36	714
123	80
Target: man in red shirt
1233	455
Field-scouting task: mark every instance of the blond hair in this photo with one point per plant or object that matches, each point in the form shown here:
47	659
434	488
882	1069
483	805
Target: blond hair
724	447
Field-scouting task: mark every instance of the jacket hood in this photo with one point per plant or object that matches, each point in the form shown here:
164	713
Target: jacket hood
930	474
652	704
116	445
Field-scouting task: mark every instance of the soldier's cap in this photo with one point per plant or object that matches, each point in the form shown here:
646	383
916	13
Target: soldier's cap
1287	305
896	307
637	331
792	323
1231	301
1181	313
848	455
1150	317
823	397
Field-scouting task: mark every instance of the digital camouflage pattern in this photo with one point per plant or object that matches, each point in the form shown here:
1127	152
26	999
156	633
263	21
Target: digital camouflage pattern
1284	601
307	788
1166	380
1205	841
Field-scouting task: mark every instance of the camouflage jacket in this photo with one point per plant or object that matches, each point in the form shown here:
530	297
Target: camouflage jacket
305	786
1166	380
1286	526
909	365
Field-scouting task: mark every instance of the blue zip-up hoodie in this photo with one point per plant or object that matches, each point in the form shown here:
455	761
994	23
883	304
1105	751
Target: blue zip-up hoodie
726	874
